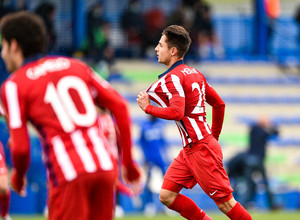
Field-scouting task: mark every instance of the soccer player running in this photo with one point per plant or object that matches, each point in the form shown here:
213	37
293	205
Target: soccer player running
57	95
181	92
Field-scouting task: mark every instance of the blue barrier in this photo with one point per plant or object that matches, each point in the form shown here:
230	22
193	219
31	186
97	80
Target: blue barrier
276	120
233	99
287	81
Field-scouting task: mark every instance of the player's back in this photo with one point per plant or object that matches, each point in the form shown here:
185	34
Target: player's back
193	126
55	94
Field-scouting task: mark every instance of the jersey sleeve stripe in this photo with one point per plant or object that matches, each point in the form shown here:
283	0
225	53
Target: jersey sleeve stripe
152	93
165	89
63	159
11	91
178	86
83	151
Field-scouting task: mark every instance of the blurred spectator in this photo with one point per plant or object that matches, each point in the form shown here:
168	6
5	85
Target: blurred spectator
97	46
297	19
183	15
133	25
272	9
204	32
4	9
154	146
243	166
47	11
154	23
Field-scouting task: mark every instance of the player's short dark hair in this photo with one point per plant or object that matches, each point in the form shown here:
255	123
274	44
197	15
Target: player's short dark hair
177	36
27	29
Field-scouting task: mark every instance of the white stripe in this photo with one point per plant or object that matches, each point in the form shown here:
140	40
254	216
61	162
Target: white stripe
196	128
152	93
180	126
11	91
178	86
165	89
101	152
63	159
182	135
83	152
205	124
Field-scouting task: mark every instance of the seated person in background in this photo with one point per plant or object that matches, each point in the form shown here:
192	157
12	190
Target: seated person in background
243	165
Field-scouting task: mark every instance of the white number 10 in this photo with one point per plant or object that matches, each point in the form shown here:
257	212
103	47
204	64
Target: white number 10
64	106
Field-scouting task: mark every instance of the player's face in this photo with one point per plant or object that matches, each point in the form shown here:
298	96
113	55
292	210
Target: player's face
7	56
163	52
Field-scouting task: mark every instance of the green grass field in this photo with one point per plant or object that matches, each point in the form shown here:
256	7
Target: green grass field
256	216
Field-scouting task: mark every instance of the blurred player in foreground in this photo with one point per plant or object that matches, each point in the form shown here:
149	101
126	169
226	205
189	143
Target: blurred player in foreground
57	95
113	137
181	92
4	189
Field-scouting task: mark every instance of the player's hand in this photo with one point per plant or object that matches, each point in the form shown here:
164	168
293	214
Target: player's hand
134	176
18	184
143	100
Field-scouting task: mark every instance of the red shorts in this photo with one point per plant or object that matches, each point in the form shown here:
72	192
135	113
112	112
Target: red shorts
202	164
3	169
89	197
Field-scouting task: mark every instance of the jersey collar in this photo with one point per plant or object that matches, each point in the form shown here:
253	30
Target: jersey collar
179	62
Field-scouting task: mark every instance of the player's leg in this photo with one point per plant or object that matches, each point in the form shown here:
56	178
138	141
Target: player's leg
4	188
207	166
234	210
177	177
4	195
101	200
69	201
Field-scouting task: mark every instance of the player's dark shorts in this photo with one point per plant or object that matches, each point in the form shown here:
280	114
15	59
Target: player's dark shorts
202	164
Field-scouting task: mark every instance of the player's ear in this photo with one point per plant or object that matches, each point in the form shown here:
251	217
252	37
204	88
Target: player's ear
14	45
174	51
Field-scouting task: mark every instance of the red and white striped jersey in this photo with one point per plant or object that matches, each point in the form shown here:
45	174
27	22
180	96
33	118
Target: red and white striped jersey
109	131
183	90
58	95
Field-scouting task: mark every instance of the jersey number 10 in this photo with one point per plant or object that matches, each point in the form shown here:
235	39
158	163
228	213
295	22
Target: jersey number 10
64	106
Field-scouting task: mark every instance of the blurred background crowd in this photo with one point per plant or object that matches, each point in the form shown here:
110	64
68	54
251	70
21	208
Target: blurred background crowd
248	49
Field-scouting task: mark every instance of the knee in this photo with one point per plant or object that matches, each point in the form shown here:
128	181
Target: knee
3	189
223	208
167	197
163	198
3	186
227	206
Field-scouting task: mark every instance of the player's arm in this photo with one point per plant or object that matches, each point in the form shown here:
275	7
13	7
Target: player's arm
218	110
175	110
14	109
107	97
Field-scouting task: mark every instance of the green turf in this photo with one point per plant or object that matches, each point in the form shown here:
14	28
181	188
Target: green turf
255	215
141	76
258	216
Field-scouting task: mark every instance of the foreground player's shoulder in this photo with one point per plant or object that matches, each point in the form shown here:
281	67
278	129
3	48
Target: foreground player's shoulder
79	66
